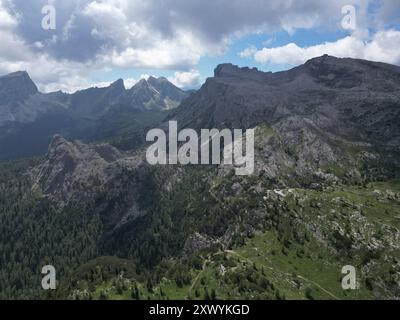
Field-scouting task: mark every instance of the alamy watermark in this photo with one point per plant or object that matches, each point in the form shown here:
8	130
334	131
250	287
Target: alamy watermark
49	280
349	281
196	150
349	21
49	21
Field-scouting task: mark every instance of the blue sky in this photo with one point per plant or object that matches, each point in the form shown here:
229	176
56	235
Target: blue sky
95	42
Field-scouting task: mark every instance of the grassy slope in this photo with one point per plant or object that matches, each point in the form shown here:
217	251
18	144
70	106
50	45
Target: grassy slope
267	268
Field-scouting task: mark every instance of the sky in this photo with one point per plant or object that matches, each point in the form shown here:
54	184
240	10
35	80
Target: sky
69	45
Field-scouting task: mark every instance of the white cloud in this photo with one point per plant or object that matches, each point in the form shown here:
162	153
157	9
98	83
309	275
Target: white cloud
167	34
382	47
6	19
181	52
129	83
163	33
188	79
248	53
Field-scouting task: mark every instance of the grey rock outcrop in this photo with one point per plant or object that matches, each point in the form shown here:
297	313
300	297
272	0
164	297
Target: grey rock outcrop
101	175
16	86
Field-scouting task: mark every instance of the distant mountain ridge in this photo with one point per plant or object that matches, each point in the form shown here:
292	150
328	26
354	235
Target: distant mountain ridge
29	118
17	90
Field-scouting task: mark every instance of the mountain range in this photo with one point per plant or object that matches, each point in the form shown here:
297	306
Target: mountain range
29	118
325	192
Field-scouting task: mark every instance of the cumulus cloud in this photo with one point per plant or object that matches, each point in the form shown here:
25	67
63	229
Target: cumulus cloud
156	34
248	53
6	19
382	47
139	33
177	53
189	79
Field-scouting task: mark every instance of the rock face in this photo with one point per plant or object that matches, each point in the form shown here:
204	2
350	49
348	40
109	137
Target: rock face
73	172
71	165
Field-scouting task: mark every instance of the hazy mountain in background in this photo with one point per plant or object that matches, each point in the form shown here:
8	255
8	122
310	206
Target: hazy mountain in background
28	118
94	102
155	94
16	86
20	100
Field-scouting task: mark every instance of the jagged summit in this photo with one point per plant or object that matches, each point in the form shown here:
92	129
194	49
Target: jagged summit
156	94
141	82
16	74
231	70
16	86
153	81
119	84
57	140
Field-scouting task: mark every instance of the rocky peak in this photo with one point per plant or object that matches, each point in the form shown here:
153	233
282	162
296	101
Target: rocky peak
167	89
231	70
16	86
152	80
118	85
349	73
71	165
57	143
116	90
76	172
158	83
142	83
156	94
